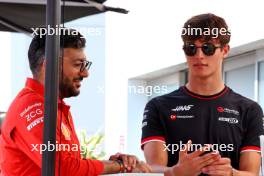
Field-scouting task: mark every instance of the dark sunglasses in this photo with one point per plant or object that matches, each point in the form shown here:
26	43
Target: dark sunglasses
207	48
85	65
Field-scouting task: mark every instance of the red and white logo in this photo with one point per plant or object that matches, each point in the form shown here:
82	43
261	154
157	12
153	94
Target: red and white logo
220	109
227	110
173	117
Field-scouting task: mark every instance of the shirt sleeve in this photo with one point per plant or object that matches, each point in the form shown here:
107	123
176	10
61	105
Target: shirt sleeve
28	136
152	129
254	128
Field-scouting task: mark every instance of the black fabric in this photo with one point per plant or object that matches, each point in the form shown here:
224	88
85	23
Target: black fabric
227	119
27	16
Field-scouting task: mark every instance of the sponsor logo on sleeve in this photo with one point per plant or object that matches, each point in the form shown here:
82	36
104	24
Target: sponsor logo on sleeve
35	123
34	113
27	109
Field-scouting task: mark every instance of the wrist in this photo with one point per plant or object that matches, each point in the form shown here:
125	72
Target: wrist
168	171
121	165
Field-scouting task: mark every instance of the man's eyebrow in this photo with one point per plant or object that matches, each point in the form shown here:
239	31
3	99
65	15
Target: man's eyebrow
80	59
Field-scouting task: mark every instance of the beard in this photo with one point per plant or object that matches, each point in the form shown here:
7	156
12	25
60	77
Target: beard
67	87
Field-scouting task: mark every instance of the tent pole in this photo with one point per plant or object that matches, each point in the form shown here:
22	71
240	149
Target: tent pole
53	15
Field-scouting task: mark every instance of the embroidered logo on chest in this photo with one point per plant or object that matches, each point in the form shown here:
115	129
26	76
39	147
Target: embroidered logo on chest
227	110
65	131
182	108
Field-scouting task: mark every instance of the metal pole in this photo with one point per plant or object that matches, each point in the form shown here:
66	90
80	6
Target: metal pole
53	16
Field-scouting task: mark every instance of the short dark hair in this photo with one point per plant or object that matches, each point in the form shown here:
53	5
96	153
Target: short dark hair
206	22
69	38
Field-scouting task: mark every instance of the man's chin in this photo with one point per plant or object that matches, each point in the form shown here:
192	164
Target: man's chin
71	94
75	93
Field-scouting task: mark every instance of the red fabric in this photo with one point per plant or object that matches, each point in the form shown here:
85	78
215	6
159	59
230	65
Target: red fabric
250	148
22	134
152	138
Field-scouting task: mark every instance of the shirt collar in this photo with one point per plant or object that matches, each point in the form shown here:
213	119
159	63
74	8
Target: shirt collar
37	87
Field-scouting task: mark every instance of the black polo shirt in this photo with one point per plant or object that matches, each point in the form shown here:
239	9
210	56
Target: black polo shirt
227	120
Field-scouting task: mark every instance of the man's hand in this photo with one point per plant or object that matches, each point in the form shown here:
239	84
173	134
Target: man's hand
142	167
131	163
192	164
222	167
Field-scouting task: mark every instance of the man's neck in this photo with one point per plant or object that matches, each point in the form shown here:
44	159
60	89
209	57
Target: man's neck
207	86
41	80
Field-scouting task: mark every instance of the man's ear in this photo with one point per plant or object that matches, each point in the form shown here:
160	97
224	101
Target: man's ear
226	49
44	62
43	67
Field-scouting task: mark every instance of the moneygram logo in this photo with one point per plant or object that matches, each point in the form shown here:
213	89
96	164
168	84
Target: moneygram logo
227	110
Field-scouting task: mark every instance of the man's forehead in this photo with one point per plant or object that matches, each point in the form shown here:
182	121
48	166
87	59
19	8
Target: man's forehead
74	54
204	40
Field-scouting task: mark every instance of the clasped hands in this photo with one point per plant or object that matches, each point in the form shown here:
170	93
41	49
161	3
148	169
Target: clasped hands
197	162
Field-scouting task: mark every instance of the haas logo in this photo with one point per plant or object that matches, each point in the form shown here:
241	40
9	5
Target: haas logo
183	108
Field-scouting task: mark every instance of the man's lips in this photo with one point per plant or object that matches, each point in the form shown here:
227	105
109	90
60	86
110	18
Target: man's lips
200	65
77	82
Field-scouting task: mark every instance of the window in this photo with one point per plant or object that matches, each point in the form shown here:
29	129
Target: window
261	84
241	80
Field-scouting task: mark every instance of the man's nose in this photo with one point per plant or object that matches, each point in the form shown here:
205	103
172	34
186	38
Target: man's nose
84	73
199	53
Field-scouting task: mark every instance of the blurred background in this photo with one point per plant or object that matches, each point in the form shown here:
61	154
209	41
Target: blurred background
138	56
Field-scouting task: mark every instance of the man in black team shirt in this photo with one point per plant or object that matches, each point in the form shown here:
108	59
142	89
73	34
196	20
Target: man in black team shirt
204	111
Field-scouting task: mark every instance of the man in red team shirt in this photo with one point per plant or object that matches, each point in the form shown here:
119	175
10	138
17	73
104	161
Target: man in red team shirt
21	140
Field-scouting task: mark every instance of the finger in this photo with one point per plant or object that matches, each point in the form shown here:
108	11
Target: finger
200	152
149	169
135	162
218	170
223	161
131	161
115	156
146	168
209	159
124	160
143	167
183	151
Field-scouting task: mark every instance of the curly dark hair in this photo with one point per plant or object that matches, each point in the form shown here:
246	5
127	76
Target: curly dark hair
206	22
69	38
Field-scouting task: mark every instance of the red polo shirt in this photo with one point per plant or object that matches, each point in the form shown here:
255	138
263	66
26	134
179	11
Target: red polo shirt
22	133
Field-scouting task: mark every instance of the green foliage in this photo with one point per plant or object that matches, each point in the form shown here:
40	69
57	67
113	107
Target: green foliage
91	147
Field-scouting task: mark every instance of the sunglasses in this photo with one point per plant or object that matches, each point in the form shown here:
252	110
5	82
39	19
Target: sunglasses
85	65
207	48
